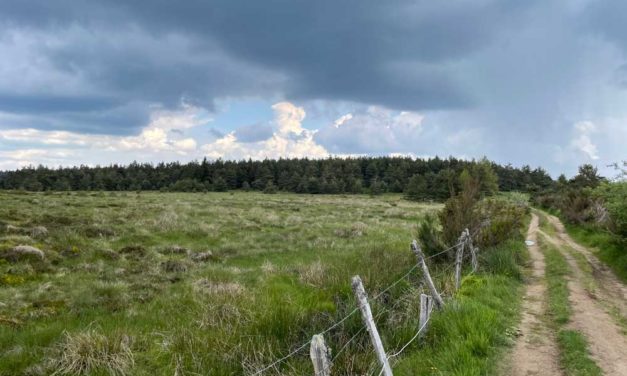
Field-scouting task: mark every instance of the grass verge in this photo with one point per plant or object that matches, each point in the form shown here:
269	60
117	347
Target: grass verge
472	332
606	247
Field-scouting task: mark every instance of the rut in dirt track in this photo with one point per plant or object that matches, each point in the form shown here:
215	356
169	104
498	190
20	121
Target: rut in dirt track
607	343
535	352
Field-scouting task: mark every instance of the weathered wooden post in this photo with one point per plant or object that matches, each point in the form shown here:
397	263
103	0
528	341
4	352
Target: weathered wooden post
439	303
366	314
473	251
458	259
426	306
319	354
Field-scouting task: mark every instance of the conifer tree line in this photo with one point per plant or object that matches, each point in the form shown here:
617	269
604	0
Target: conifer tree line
421	179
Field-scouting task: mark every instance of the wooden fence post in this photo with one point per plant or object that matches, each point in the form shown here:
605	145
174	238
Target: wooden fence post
458	259
319	354
439	303
366	314
473	252
426	306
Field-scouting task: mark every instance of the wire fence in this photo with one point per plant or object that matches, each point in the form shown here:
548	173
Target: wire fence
463	242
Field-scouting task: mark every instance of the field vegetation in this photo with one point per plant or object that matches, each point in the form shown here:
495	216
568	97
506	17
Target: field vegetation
117	283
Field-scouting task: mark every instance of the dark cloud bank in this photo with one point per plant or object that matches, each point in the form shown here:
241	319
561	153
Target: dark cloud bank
503	66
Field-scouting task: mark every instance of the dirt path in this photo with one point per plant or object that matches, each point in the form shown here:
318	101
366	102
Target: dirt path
608	347
610	288
535	352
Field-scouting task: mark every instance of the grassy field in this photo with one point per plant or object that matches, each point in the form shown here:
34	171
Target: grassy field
226	283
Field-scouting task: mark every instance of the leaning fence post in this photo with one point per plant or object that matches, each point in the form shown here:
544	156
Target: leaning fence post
426	306
458	259
439	303
366	314
319	354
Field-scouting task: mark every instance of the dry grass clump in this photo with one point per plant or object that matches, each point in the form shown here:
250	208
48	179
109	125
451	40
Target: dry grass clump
108	254
10	229
174	266
202	256
134	250
293	220
405	307
313	274
357	229
174	249
268	267
95	231
217	288
89	352
23	252
394	212
167	221
39	232
257	356
223	316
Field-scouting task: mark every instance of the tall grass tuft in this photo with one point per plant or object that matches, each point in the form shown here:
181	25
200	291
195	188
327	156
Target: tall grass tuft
90	352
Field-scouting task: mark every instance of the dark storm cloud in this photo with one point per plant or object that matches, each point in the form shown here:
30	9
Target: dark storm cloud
607	19
120	120
515	75
253	133
35	104
394	53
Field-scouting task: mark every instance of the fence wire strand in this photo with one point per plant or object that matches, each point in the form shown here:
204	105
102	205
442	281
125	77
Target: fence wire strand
378	295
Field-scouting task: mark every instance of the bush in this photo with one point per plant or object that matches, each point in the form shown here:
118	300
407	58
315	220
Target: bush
270	188
187	185
576	206
459	212
429	235
502	221
614	196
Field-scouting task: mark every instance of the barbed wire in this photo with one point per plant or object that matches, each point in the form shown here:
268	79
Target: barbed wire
408	343
378	295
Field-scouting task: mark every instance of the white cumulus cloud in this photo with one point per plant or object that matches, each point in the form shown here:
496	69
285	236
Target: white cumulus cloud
290	140
582	141
161	139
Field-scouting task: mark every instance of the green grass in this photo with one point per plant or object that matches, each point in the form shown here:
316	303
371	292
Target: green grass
469	336
556	271
280	272
544	223
605	246
574	353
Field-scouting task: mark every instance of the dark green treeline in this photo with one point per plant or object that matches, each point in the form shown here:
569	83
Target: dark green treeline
333	175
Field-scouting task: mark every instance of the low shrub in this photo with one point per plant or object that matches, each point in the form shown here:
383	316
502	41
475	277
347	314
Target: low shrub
430	235
502	220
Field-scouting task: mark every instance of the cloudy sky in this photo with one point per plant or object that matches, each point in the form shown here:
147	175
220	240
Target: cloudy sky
522	82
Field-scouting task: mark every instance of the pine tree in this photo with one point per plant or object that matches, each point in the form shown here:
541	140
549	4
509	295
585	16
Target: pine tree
416	189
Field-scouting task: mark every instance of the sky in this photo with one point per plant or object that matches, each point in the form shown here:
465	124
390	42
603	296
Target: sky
542	83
